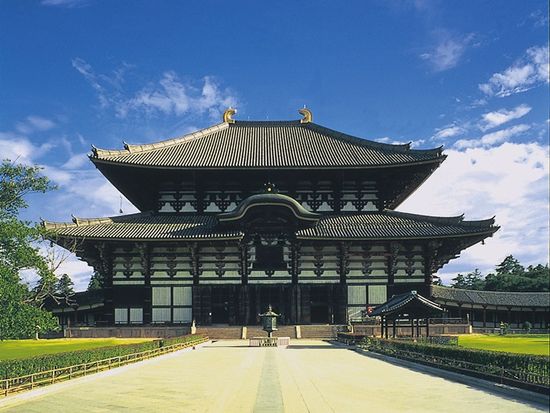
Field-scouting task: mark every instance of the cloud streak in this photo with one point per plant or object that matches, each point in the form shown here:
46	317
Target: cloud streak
170	95
493	138
493	119
526	73
448	51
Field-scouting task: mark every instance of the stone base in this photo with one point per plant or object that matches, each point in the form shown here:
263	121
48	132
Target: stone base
269	342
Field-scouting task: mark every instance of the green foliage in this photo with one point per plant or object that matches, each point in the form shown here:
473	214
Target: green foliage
96	282
21	314
509	275
22	367
17	181
484	362
65	288
471	281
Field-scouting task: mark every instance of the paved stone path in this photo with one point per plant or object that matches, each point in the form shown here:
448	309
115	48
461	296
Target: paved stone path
227	376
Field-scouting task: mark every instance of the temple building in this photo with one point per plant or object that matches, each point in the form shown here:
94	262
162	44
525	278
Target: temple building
245	214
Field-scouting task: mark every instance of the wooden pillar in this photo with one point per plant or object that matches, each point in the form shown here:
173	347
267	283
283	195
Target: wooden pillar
106	264
495	317
417	327
393	328
145	255
484	317
412	327
387	327
427	327
392	266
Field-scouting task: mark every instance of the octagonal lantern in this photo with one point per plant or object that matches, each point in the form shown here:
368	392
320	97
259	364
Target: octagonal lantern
269	321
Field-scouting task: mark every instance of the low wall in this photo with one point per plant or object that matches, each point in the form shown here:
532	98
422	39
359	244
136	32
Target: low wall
126	332
405	331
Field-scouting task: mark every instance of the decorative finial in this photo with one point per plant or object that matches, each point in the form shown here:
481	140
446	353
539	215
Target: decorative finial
307	115
228	115
270	188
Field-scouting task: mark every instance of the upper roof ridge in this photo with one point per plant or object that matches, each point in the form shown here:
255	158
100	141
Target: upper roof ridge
140	148
136	148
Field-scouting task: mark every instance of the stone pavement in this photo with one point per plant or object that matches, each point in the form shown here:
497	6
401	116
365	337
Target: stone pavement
227	376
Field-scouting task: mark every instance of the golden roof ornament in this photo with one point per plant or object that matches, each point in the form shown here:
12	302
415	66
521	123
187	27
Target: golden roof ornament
228	115
307	115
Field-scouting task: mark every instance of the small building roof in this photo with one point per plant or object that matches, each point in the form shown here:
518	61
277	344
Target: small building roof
383	225
267	144
410	303
490	298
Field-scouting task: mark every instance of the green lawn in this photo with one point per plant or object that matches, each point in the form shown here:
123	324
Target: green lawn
17	349
513	343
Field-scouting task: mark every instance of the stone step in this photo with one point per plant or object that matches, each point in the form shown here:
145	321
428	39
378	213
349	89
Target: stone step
319	331
235	332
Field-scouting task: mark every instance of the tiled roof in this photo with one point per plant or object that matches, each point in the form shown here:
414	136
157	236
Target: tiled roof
370	225
394	225
493	298
143	226
267	144
410	301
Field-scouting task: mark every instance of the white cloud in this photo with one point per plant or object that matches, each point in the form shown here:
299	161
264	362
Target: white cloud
493	119
447	132
528	72
65	3
509	181
76	161
169	96
391	141
493	138
34	124
448	51
19	148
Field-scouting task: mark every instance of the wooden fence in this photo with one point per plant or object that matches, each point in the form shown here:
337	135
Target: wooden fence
43	378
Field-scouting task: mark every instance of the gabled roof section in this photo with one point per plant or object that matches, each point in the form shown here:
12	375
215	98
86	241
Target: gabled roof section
386	225
142	226
411	302
267	144
269	200
390	224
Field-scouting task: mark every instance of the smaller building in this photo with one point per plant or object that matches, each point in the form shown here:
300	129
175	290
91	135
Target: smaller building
83	309
486	309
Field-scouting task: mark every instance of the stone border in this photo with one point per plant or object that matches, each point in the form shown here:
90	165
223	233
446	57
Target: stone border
540	400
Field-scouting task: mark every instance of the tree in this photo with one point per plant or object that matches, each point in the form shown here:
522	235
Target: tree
65	289
96	282
471	281
510	275
21	314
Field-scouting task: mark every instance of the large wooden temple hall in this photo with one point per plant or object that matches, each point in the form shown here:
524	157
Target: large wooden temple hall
249	213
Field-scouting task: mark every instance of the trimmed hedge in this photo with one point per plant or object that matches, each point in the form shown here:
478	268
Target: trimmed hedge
31	365
491	362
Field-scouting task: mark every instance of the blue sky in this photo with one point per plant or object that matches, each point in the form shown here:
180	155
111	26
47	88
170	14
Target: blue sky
469	75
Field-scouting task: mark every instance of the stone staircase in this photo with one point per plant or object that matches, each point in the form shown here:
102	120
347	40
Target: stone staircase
236	332
220	332
319	331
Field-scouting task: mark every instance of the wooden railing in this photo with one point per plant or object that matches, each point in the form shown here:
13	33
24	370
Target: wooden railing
28	382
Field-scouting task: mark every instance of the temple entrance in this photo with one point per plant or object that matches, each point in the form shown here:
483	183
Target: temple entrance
220	305
320	309
270	296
